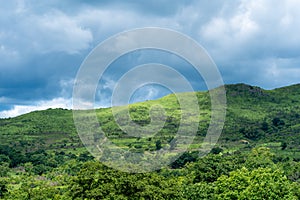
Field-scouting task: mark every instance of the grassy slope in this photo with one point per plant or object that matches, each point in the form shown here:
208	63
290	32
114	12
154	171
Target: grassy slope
262	117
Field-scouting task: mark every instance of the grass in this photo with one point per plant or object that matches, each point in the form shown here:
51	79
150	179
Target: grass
248	107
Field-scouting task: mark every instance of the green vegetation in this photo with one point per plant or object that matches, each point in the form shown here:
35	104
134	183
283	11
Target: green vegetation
257	156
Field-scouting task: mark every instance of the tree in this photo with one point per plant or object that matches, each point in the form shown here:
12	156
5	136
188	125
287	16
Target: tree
3	188
260	157
197	191
158	145
283	145
95	181
261	183
264	126
211	167
251	133
4	169
186	157
86	156
216	150
278	122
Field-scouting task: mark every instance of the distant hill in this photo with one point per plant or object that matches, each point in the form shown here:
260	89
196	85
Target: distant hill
254	115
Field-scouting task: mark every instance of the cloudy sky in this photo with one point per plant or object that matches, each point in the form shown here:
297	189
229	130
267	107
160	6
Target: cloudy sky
43	43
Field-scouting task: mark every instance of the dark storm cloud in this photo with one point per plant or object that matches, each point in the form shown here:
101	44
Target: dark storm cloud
43	78
42	43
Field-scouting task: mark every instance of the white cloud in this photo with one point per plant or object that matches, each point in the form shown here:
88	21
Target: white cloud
251	37
66	87
55	31
41	105
145	93
230	32
280	72
30	31
270	25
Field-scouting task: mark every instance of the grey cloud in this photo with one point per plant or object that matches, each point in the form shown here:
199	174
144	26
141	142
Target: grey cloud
42	43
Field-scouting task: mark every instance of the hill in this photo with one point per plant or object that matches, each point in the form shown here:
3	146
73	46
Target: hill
253	114
42	156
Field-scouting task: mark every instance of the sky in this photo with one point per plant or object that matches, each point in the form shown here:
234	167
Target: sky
43	44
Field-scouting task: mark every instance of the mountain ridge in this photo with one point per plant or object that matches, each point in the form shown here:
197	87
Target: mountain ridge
252	113
237	87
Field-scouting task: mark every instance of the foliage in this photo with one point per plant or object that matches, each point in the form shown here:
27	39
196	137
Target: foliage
96	181
257	156
261	183
3	188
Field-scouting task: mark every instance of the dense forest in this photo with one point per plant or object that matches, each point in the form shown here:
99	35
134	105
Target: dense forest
256	157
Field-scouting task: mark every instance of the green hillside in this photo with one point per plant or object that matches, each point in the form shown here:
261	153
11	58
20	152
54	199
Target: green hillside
41	155
253	114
